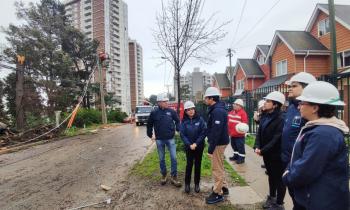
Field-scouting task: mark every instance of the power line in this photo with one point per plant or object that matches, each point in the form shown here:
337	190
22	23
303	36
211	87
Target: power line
239	21
257	23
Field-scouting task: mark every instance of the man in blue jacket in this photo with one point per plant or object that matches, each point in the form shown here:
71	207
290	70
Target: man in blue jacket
164	121
293	121
218	139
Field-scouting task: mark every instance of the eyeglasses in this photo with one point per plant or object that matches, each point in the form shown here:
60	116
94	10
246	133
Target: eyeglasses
303	103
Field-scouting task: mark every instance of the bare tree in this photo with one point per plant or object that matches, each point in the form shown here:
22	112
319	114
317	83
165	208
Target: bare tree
182	34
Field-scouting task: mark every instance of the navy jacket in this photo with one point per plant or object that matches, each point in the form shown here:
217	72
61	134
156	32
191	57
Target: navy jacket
193	130
292	126
164	122
318	171
217	131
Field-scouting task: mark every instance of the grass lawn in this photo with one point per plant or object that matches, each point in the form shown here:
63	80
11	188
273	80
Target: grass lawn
149	167
250	140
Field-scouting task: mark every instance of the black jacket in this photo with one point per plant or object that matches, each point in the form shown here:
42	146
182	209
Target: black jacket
217	130
193	130
164	122
269	135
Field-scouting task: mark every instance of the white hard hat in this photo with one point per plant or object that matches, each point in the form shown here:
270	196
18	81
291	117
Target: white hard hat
212	91
261	104
321	92
276	96
239	102
162	97
242	128
302	77
189	104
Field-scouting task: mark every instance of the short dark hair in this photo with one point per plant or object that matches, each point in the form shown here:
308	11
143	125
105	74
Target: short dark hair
325	110
215	98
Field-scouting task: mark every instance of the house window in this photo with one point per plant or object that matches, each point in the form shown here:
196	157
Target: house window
343	59
261	59
323	27
240	85
282	68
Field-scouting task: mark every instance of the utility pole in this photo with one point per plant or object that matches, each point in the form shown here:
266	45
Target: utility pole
100	58
230	55
19	92
333	41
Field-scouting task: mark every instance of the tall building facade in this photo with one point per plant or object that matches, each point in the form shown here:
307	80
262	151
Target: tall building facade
107	22
196	83
136	73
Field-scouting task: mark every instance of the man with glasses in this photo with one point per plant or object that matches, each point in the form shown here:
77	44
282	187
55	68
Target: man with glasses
217	133
293	121
164	121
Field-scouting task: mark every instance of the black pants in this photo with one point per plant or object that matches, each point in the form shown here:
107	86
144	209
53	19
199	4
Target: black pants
296	206
193	157
237	144
275	169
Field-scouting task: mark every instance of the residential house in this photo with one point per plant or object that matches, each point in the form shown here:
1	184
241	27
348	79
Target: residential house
221	81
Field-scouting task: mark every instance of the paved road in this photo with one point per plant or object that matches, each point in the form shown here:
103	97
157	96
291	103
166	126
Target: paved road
68	173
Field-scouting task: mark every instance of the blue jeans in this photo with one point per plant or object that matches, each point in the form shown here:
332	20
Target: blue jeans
170	143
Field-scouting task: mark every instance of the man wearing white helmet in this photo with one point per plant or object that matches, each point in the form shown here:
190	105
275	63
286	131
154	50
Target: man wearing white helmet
318	170
268	145
164	121
293	121
218	139
235	117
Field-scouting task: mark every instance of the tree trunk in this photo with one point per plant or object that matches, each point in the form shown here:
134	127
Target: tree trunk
19	97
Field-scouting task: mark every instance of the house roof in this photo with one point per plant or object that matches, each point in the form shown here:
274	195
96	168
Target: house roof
222	80
250	68
341	15
299	42
274	81
264	49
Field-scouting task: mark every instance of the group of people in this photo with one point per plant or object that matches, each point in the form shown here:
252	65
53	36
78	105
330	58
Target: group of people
303	147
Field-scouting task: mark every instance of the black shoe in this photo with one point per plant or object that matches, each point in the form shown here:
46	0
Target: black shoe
269	202
262	166
233	158
163	180
266	172
196	188
240	161
276	206
187	188
225	191
214	198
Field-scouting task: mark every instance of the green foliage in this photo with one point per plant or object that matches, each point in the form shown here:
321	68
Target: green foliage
87	117
250	141
116	116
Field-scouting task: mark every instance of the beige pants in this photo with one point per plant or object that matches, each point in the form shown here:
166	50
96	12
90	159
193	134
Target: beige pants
217	167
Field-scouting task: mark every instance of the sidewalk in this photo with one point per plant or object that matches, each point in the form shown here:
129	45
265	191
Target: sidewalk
254	175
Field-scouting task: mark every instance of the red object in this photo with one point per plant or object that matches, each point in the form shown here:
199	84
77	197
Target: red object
233	118
173	105
102	56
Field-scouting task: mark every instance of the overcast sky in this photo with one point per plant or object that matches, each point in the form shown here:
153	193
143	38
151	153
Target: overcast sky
286	15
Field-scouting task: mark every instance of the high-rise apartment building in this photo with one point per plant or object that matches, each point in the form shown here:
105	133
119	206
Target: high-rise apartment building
136	73
107	21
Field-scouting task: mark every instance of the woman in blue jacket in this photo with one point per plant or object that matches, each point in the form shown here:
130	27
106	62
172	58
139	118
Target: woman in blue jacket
192	131
318	170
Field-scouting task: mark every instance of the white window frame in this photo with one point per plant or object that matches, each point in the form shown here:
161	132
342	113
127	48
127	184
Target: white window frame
260	59
341	64
240	84
280	72
322	27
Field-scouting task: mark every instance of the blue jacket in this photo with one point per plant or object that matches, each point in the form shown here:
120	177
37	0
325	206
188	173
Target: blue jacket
193	130
292	125
164	122
217	131
318	171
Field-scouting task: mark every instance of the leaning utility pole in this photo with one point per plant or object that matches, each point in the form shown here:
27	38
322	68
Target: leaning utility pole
333	41
100	58
230	55
19	92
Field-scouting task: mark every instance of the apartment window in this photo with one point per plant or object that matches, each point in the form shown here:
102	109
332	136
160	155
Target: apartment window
240	85
343	59
323	27
281	68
